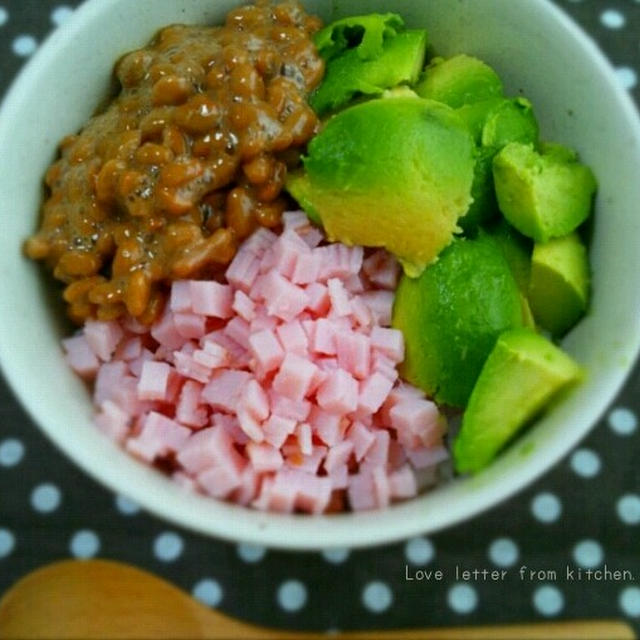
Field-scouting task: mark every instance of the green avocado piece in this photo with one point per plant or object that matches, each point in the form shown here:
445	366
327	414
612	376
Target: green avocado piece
522	375
459	80
452	315
484	206
365	34
493	123
543	195
512	120
559	288
391	172
475	114
349	75
517	251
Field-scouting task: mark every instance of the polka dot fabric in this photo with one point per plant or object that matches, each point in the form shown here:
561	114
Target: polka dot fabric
583	516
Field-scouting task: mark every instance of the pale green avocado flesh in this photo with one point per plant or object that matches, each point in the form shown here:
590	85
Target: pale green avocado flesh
349	76
522	375
559	287
452	315
459	80
391	172
543	195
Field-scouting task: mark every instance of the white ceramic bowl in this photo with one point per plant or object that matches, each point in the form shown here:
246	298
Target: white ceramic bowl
535	48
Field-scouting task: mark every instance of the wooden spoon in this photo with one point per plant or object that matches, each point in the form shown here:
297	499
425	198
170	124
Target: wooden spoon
99	599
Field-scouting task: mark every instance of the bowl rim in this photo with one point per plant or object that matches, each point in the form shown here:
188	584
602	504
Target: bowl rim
303	532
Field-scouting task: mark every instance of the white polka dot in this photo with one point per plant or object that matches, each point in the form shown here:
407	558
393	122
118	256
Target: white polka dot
546	507
628	508
24	45
623	421
84	544
335	556
629	601
250	552
4	16
462	598
419	551
208	591
377	596
548	600
46	498
612	19
61	14
168	546
585	463
588	554
11	452
627	77
503	552
292	595
7	542
126	506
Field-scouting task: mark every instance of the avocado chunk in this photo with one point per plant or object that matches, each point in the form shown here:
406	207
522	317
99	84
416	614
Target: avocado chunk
391	172
559	288
493	123
366	34
512	120
349	75
544	195
459	80
522	375
517	251
452	315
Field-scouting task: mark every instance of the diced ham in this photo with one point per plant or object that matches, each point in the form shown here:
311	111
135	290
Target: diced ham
287	408
338	393
165	332
223	390
353	350
189	410
293	337
113	421
389	342
180	298
339	297
295	376
103	337
277	388
244	306
210	298
281	297
157	381
373	392
402	483
266	349
264	457
276	429
80	357
382	269
189	325
159	436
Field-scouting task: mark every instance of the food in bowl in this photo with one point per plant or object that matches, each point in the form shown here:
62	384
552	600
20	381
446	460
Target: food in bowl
280	359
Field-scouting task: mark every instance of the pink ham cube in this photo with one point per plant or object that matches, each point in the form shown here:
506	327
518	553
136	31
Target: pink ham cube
223	390
159	436
373	392
295	376
390	342
103	337
264	457
353	350
80	357
266	349
156	381
277	429
210	298
338	393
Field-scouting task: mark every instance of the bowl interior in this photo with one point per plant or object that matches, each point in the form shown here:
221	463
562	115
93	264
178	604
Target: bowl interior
536	50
